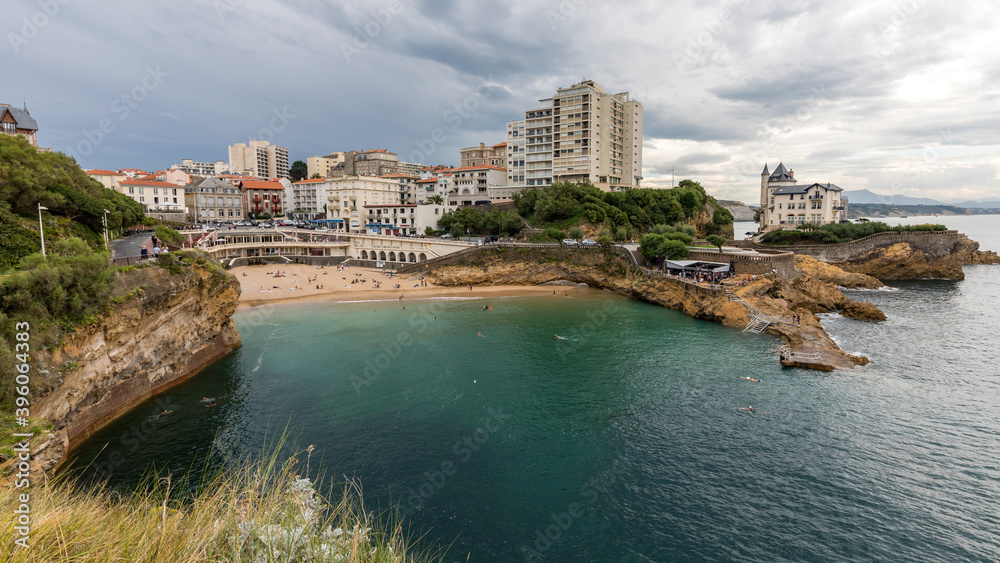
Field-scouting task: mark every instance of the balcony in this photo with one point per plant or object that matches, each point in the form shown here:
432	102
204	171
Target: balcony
817	196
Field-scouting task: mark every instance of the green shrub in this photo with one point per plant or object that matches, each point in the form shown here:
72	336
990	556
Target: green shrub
169	235
554	234
69	287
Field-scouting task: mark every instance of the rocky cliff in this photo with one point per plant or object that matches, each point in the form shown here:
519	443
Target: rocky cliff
777	299
161	329
904	260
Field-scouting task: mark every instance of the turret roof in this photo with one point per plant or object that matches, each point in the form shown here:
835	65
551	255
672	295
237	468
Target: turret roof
780	174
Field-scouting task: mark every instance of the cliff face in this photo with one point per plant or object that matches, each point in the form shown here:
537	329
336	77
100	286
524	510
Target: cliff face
903	260
691	299
777	299
164	329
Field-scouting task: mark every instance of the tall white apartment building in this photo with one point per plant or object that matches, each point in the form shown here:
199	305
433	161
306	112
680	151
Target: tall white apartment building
260	159
200	168
515	152
580	134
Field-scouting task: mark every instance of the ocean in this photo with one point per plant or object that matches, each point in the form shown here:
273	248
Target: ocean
624	439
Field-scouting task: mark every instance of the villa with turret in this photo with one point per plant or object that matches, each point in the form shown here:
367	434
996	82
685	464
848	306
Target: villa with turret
784	204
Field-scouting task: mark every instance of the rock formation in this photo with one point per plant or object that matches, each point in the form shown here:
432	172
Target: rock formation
161	329
776	299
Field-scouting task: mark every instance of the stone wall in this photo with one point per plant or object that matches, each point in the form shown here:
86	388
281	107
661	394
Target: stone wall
934	244
782	262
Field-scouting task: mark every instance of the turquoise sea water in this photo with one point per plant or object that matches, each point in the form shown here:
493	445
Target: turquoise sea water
625	441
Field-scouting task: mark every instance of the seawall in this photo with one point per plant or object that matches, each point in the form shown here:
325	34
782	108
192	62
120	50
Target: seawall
892	255
166	328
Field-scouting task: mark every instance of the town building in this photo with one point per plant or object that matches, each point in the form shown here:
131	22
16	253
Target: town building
322	166
515	150
17	121
410	168
425	189
785	204
259	159
263	198
162	200
407	186
402	219
495	155
212	199
348	196
582	134
110	179
472	184
201	168
308	198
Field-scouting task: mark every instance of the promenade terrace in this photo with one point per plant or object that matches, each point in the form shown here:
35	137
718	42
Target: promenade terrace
238	247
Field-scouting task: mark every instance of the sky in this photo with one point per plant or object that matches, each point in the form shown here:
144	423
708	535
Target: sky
898	97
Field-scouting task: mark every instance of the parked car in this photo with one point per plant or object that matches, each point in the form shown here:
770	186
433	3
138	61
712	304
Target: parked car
447	235
570	242
588	242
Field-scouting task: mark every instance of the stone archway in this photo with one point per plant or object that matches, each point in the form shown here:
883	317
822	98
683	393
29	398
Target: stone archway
413	257
392	256
364	254
381	255
423	257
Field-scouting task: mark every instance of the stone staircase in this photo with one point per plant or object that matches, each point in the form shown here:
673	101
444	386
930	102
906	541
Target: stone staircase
756	324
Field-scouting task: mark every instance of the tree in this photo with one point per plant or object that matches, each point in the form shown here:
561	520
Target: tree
575	233
716	240
436	199
298	171
314	176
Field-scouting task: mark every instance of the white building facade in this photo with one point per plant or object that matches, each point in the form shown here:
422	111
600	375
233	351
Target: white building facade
259	159
785	204
580	134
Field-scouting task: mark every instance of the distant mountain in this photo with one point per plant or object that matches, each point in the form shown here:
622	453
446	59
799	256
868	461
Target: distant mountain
866	196
986	204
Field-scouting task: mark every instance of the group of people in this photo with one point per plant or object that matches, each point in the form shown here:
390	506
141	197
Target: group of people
157	250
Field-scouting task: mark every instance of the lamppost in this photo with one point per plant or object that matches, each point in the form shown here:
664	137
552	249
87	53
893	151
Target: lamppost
41	229
107	240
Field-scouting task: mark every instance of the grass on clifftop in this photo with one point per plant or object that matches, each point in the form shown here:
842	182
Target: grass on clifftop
258	512
836	233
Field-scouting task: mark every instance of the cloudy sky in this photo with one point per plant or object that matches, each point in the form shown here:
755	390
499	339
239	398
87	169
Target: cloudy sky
897	96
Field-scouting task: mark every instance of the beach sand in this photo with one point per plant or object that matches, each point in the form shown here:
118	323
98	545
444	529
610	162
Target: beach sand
260	286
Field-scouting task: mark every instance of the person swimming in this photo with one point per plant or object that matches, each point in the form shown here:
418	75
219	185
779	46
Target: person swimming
207	399
561	337
481	335
212	404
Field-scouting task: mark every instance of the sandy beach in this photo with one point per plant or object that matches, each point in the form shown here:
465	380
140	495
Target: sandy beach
300	282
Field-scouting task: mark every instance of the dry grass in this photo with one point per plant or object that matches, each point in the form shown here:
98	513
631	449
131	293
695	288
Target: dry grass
258	512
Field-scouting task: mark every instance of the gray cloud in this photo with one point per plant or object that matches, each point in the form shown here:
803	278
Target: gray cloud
885	95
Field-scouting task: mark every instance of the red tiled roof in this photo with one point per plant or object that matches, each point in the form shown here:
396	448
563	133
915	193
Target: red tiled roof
310	181
480	167
145	182
377	150
136	170
262	185
99	172
427	180
503	144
